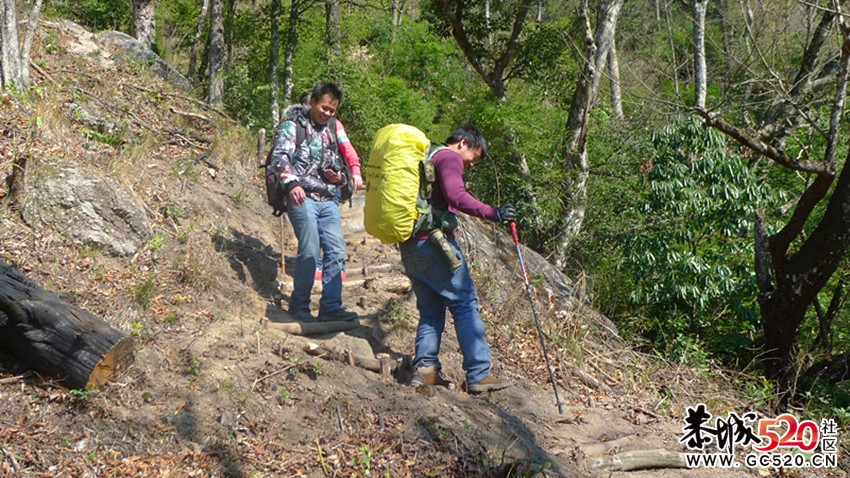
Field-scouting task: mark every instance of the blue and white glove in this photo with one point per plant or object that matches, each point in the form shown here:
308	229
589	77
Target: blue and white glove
507	213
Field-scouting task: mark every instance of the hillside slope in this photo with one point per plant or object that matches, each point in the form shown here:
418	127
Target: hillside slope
218	388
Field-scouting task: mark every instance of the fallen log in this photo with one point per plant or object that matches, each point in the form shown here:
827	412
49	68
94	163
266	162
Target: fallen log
639	460
314	328
58	339
594	449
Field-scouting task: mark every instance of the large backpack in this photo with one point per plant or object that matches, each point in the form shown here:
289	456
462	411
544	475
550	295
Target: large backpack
398	177
275	196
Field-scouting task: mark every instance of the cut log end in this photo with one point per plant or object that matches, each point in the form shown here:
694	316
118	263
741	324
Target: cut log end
56	338
113	362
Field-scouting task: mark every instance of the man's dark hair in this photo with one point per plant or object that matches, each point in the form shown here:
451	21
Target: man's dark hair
473	137
323	89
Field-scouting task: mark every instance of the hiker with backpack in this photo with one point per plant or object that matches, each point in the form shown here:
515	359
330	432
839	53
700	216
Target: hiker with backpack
347	150
306	161
345	147
441	284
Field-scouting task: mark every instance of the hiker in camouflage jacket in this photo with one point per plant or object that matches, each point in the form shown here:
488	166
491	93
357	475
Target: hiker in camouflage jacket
310	173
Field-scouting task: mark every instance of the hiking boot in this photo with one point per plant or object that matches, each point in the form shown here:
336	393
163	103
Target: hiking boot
488	384
338	315
426	376
302	315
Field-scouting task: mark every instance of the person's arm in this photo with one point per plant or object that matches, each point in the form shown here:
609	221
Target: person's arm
282	153
449	168
348	152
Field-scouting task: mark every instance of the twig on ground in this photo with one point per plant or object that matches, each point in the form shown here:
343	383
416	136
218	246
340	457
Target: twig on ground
191	100
11	458
42	72
321	458
646	412
339	417
192	115
11	380
284	369
590	380
185	135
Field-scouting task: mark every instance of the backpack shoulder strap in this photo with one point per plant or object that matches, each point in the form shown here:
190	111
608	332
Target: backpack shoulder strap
332	131
434	149
300	132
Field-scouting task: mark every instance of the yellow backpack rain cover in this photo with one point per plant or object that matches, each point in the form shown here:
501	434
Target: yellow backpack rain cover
392	182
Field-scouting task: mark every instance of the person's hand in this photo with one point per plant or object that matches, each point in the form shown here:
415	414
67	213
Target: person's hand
357	180
334	177
507	213
297	195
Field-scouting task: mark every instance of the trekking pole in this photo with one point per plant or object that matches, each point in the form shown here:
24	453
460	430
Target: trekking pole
536	320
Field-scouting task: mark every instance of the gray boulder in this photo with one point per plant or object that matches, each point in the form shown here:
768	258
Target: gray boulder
140	52
89	209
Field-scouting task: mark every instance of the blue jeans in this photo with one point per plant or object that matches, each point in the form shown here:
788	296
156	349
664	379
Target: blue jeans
319	259
438	288
307	220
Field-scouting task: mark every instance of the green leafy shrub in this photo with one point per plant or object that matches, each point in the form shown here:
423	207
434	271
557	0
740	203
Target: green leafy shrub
691	257
97	15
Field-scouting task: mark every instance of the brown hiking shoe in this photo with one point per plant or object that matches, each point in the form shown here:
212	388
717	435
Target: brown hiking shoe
488	384
426	376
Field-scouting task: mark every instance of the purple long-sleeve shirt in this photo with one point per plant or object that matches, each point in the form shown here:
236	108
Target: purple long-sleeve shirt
449	192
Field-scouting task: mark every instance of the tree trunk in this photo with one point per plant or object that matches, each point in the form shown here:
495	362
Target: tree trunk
229	15
700	75
216	54
614	74
799	278
56	338
10	59
825	318
275	61
332	17
789	280
144	21
396	13
32	23
291	42
196	43
574	154
487	22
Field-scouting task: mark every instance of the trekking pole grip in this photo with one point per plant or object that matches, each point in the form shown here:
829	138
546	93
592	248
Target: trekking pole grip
513	233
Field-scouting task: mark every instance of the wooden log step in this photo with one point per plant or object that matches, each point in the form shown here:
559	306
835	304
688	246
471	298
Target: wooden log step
314	328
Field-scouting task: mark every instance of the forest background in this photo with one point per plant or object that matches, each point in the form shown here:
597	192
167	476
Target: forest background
677	159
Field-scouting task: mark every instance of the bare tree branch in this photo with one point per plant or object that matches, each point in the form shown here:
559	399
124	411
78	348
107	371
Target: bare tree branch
716	121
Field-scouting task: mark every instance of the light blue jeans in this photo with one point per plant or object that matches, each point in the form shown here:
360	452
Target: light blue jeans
307	220
438	288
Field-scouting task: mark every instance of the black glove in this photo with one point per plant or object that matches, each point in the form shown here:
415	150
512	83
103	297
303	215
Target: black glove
507	213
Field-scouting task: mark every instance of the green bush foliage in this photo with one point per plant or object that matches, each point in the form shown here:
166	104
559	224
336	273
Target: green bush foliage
691	256
97	15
